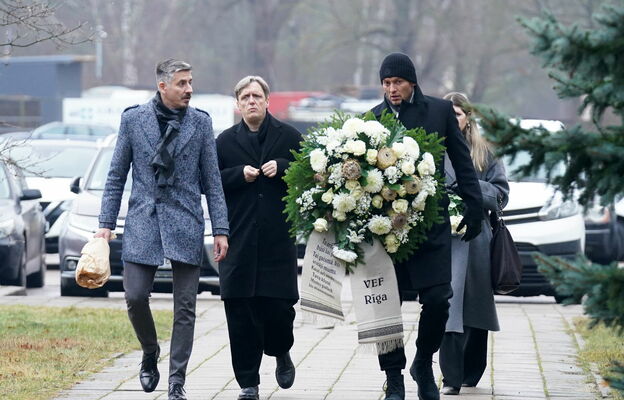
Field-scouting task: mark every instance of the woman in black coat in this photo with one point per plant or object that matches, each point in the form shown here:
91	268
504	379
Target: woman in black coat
258	276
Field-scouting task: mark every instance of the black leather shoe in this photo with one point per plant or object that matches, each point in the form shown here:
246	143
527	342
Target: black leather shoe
422	372
249	393
394	387
285	371
450	390
149	375
176	391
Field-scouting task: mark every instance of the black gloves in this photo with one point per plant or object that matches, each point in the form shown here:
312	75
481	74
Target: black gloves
472	222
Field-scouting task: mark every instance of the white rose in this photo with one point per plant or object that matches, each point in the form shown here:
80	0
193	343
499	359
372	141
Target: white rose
392	243
400	205
427	165
356	147
420	201
377	201
320	225
402	191
374	128
399	149
328	196
318	160
339	215
351	185
408	167
411	147
371	156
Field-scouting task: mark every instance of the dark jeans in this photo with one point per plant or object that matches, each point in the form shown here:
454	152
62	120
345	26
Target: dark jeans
258	325
431	326
138	281
463	356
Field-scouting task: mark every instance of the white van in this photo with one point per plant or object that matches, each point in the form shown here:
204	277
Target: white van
539	220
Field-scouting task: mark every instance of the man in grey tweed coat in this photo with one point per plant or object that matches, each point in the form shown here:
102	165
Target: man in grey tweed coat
171	149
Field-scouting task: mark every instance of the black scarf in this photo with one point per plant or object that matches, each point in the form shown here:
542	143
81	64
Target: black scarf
162	162
257	138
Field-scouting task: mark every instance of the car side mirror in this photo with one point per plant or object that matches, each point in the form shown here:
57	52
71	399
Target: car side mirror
74	186
30	194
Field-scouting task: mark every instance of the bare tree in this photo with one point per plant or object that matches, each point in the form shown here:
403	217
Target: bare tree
27	23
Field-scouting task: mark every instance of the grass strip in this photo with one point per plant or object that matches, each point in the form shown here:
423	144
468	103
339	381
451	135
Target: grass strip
45	350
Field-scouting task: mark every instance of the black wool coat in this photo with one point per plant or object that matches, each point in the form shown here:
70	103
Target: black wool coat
262	257
430	264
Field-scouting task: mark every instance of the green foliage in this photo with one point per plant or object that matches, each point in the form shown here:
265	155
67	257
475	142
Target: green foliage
583	63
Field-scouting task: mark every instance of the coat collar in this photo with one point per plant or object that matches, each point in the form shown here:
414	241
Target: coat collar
412	114
273	134
151	130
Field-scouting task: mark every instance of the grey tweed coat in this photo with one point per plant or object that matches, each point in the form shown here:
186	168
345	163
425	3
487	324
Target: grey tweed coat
472	303
164	222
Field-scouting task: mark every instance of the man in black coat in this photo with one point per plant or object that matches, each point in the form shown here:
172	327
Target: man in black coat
259	275
428	270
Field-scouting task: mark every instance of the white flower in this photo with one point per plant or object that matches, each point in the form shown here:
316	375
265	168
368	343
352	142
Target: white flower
374	181
427	165
399	149
411	147
380	225
352	185
392	243
392	173
353	126
318	160
344	255
428	185
371	156
376	132
377	201
420	201
328	196
344	202
355	236
455	220
402	191
335	175
408	167
355	147
400	205
339	215
320	225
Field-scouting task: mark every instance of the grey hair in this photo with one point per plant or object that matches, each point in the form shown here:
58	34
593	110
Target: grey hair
165	69
248	80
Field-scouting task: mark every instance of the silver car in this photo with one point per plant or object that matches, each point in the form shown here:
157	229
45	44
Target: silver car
81	223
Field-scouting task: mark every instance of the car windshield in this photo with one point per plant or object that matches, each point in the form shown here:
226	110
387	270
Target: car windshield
99	172
54	161
5	191
522	158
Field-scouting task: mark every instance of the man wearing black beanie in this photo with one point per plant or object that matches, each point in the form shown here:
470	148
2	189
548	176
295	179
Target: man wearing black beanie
428	270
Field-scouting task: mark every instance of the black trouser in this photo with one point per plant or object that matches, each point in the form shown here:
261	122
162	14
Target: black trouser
431	326
258	325
463	356
138	281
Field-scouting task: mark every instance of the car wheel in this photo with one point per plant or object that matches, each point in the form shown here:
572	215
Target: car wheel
37	280
20	280
69	287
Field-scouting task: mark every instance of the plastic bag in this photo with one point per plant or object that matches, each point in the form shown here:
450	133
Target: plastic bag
93	268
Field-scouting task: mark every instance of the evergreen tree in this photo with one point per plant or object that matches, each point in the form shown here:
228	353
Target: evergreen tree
588	64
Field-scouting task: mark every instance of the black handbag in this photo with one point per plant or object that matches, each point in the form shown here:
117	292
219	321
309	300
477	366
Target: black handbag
506	267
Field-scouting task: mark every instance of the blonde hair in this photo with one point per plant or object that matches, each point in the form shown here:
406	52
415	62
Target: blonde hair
248	80
480	149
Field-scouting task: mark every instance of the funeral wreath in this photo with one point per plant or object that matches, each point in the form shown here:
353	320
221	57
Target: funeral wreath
365	179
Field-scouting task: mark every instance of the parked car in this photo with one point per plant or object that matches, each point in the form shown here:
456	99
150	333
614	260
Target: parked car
539	220
604	227
63	130
82	222
22	229
51	165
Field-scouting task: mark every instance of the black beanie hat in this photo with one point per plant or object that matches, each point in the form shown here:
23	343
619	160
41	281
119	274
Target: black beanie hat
397	65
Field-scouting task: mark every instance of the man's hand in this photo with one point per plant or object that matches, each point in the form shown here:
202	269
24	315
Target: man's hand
250	173
220	247
103	233
473	227
269	169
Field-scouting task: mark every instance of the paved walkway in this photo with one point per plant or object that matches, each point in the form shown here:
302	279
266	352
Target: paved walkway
533	357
